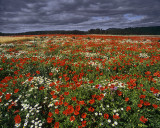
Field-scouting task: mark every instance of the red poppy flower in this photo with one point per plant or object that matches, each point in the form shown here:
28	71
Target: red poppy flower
116	117
93	96
4	90
56	125
141	101
152	89
142	119
106	116
99	98
148	73
74	98
81	102
76	112
50	114
56	103
72	118
126	99
50	74
146	103
91	81
54	96
91	101
139	105
16	90
52	92
8	96
155	106
49	120
56	111
84	123
66	93
91	109
83	115
142	96
30	79
119	93
128	108
97	86
38	72
41	88
17	119
78	108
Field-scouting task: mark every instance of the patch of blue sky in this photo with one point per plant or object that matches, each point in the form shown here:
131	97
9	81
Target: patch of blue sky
132	17
98	18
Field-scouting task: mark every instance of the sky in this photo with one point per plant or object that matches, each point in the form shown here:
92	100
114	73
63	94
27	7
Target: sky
41	15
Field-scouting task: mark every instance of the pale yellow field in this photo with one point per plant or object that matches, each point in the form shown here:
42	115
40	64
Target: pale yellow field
6	39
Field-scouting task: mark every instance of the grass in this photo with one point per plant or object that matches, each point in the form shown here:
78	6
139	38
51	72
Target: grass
8	39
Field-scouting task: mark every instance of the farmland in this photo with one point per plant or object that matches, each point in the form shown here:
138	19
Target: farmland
8	39
59	81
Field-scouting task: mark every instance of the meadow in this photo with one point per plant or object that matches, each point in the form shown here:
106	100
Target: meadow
92	81
8	39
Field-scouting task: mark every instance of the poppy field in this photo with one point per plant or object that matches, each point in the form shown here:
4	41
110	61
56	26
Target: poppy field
76	81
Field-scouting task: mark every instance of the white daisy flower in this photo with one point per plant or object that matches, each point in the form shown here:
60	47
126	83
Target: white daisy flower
115	123
109	121
96	113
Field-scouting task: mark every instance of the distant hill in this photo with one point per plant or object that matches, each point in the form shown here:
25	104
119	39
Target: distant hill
155	30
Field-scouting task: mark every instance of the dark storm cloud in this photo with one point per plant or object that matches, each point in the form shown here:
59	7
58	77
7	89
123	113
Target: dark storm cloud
34	15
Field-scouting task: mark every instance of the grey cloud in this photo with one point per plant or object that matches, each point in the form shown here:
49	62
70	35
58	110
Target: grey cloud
32	15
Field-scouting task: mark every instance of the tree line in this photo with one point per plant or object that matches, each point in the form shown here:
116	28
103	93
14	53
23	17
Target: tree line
111	31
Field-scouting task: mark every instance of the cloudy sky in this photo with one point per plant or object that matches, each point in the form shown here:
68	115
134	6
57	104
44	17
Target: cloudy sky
34	15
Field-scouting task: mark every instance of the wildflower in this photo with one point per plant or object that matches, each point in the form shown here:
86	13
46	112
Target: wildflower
101	124
100	114
126	99
96	113
155	106
17	119
56	125
66	93
16	90
91	109
56	111
25	124
72	118
17	125
116	117
106	116
115	123
114	111
146	103
91	101
40	124
103	109
83	115
109	121
50	114
143	119
84	123
8	96
49	120
128	108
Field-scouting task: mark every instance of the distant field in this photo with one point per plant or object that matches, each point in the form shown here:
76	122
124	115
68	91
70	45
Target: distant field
6	39
127	35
